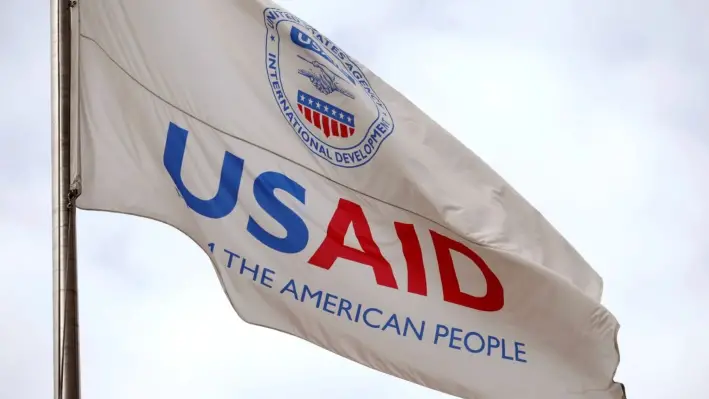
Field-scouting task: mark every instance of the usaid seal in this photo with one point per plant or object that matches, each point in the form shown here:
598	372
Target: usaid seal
322	93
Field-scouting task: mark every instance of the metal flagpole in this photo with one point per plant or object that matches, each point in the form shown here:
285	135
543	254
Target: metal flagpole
65	300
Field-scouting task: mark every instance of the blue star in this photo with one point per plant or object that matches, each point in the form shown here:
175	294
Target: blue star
273	38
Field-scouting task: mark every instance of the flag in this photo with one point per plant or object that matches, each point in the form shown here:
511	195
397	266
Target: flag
330	206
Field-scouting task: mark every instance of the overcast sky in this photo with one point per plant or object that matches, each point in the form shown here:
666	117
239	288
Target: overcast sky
596	111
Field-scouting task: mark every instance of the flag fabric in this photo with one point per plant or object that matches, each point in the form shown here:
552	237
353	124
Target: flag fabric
330	206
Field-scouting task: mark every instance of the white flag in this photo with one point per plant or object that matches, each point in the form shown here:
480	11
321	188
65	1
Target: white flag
331	207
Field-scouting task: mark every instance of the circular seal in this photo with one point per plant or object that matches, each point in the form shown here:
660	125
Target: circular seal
323	94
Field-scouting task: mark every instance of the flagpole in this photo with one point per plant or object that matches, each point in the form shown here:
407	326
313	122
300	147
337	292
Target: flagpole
65	299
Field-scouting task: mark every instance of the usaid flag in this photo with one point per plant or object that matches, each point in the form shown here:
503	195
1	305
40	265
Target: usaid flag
331	207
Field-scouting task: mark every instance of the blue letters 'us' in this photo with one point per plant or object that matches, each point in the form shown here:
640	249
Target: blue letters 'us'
225	199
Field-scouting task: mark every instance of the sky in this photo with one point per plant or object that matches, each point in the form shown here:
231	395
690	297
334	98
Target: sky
593	111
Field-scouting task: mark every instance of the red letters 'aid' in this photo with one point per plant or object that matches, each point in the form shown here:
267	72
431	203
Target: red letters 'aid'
333	247
494	298
351	214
